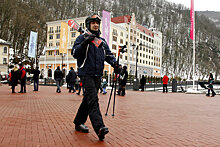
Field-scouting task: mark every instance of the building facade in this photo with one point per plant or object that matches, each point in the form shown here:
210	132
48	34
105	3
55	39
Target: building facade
4	56
124	30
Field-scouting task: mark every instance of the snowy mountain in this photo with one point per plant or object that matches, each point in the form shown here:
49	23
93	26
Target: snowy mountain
212	15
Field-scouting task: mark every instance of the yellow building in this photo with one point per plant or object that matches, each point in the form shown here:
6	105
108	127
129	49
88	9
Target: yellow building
4	51
124	30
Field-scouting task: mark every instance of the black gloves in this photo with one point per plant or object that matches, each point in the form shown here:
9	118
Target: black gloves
88	39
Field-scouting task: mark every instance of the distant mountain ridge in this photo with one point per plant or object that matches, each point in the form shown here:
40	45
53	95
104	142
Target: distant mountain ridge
214	16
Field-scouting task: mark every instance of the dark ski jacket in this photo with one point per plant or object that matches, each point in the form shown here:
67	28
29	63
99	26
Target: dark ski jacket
90	59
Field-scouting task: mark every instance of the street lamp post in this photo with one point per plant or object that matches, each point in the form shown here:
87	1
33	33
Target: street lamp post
136	62
136	81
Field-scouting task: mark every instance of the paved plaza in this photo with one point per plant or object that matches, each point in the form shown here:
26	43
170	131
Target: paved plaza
44	119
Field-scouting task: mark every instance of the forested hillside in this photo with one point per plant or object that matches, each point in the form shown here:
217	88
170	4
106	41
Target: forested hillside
19	17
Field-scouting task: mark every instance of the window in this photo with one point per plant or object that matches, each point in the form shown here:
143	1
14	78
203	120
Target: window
5	50
140	35
74	34
114	32
4	60
114	38
58	29
122	34
126	57
113	46
121	41
131	30
50	53
51	37
82	25
58	36
51	30
71	29
50	44
57	52
57	43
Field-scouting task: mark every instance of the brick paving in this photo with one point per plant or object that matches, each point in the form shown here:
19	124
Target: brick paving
44	119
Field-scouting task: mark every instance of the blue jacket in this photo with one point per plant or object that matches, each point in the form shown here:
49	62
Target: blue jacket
90	59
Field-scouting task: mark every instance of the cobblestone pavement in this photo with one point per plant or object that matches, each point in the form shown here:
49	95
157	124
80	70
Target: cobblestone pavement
44	118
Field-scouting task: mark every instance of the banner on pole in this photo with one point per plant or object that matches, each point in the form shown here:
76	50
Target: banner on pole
63	37
192	20
32	45
106	19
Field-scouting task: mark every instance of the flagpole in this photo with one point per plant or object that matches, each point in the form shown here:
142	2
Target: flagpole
55	59
192	36
45	52
194	47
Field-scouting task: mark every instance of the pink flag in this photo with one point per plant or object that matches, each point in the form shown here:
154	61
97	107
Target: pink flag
192	20
106	18
55	52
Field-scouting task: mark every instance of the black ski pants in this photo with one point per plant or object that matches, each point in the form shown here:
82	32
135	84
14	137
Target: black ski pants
90	105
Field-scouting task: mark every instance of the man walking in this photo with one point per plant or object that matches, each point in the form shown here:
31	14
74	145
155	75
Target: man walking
58	76
36	78
90	62
72	79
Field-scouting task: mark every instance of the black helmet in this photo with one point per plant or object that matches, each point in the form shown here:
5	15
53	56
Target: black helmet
92	18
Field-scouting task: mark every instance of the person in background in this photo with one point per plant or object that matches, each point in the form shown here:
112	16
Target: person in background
67	82
72	79
210	86
36	78
165	82
118	76
90	62
58	76
123	76
104	85
142	82
80	87
23	78
14	78
77	83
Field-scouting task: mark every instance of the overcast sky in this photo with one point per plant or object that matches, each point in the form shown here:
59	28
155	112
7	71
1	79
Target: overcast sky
200	5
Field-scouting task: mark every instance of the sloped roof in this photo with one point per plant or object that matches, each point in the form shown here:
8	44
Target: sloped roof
4	42
127	19
145	30
121	19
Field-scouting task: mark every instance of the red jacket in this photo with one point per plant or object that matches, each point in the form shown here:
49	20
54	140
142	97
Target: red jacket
23	72
9	76
165	79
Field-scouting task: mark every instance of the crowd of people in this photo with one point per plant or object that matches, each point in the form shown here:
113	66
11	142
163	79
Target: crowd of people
90	62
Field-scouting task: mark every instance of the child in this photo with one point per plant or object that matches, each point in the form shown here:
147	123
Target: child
104	85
